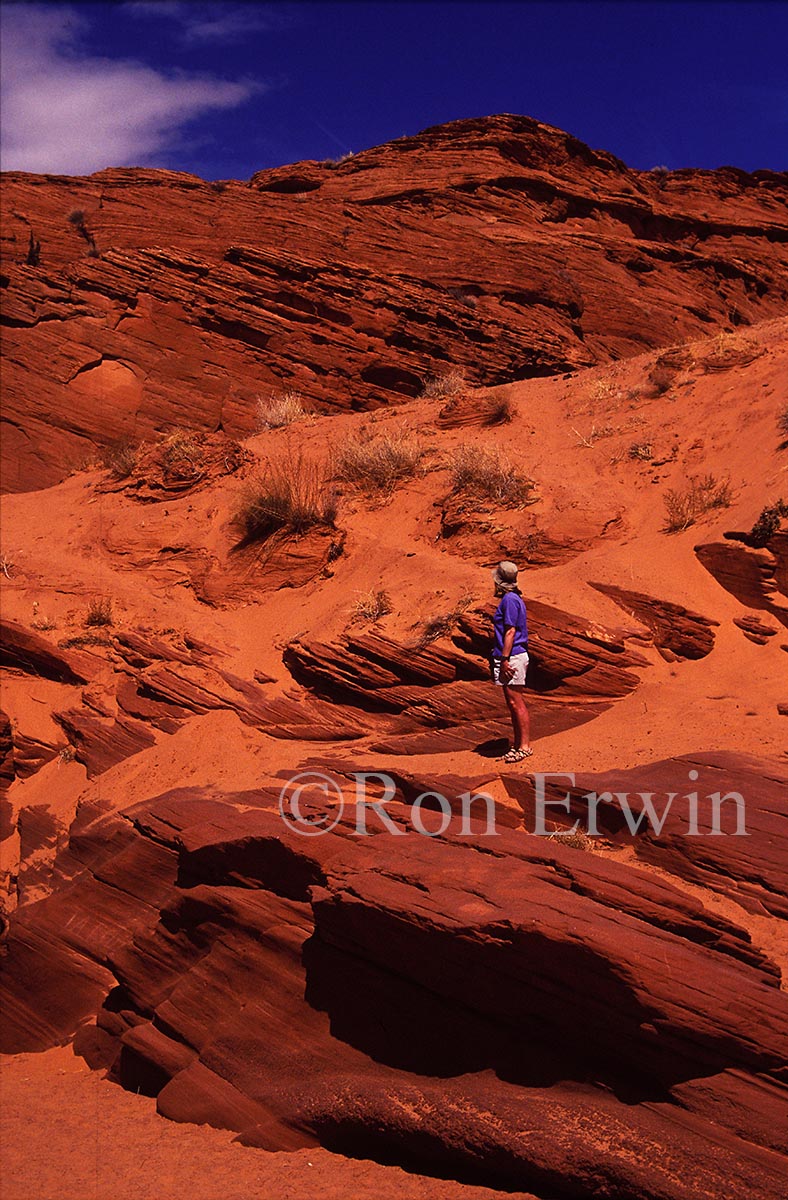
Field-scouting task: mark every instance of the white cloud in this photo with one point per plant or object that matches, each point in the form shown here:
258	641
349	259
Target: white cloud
66	112
211	22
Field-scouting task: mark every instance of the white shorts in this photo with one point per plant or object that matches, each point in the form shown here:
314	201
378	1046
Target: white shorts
519	662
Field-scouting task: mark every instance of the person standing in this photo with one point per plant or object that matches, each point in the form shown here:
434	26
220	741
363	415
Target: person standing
510	657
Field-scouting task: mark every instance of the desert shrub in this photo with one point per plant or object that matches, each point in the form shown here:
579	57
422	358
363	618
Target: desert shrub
605	431
280	410
641	450
442	624
683	506
33	256
289	497
85	639
43	623
441	387
181	454
489	475
499	410
767	524
782	421
376	464
99	612
77	218
373	605
464	297
120	458
578	839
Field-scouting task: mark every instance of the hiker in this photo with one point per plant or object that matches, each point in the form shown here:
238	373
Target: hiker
510	657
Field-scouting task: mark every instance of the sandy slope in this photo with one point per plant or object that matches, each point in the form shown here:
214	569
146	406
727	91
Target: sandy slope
74	542
66	1132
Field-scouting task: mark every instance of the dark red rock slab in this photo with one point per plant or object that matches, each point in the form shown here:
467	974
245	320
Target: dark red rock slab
757	578
26	650
747	860
755	629
500	1009
677	631
100	743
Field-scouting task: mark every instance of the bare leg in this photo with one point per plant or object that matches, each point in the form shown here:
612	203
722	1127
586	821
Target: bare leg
518	711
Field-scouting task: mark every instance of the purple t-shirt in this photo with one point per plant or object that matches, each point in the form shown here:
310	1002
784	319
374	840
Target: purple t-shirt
511	612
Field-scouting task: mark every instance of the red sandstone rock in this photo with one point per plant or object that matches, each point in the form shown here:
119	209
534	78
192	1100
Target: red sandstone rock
189	309
492	950
745	858
677	632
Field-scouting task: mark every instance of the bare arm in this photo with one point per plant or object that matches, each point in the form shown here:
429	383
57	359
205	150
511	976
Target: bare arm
508	642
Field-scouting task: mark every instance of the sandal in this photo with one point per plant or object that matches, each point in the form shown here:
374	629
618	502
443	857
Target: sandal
516	756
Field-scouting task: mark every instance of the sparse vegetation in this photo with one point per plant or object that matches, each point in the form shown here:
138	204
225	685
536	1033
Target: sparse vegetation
373	605
499	410
464	297
442	387
641	450
489	475
767	524
181	454
33	256
377	464
43	624
120	458
703	493
99	612
595	434
578	839
782	421
6	565
442	625
290	497
280	410
85	639
77	218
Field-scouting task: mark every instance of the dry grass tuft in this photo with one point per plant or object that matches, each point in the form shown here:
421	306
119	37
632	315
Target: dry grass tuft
120	458
578	839
782	421
444	623
373	605
441	387
641	450
376	464
702	494
280	411
181	454
44	624
499	410
290	497
489	475
99	612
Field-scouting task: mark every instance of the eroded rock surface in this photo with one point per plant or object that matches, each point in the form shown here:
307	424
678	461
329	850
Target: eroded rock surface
500	246
413	1006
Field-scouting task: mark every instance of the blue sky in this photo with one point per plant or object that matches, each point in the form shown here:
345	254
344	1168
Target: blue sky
223	89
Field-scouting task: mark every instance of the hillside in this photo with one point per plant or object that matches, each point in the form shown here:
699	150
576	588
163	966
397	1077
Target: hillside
135	301
506	1014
